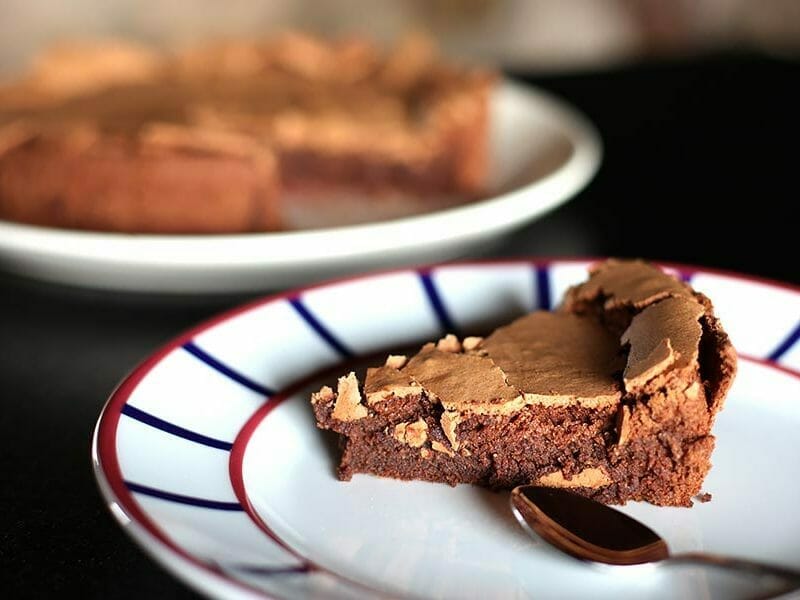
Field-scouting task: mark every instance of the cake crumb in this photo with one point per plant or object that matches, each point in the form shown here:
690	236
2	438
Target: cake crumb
623	425
450	421
414	434
348	405
471	343
440	447
591	477
449	343
693	391
703	497
396	361
425	453
325	394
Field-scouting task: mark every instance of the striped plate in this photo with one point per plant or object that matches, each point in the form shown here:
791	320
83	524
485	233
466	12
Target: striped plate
208	456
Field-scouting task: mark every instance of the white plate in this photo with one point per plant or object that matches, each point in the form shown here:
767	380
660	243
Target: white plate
542	153
208	454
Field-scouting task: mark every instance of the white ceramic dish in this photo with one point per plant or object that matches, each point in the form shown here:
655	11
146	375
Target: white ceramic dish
542	153
208	455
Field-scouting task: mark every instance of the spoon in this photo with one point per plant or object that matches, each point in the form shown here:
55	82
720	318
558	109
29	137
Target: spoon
591	531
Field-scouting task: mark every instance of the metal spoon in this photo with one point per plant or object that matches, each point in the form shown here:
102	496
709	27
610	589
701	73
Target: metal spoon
592	531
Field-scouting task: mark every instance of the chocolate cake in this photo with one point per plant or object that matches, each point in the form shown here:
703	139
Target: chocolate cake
225	137
613	395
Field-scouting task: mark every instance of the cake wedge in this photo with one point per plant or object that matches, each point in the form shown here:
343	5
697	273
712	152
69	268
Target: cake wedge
242	136
613	395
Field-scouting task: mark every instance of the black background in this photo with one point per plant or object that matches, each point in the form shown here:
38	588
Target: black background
700	167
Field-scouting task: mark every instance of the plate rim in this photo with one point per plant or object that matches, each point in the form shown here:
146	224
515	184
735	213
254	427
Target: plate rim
204	577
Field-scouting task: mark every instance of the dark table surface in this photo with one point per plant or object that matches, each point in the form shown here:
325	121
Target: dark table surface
700	167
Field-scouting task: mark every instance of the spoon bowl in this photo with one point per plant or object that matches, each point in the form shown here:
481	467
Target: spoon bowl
591	531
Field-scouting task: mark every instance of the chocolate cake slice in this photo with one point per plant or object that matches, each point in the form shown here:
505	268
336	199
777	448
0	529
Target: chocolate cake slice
241	136
613	395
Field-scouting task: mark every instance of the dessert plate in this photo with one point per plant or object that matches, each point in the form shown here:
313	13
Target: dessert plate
208	456
542	153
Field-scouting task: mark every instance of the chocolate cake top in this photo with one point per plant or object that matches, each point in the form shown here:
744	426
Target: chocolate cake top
294	90
557	358
553	359
562	358
669	331
626	283
665	335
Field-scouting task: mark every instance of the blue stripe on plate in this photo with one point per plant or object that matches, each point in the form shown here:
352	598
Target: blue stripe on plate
786	344
166	426
180	499
543	288
319	328
437	304
215	364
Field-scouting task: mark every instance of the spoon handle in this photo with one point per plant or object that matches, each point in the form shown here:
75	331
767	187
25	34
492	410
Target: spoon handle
736	564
